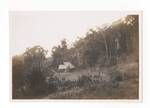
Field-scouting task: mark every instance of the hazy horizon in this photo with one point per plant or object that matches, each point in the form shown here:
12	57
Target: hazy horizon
48	28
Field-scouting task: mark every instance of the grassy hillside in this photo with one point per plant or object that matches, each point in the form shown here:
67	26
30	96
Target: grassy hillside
124	88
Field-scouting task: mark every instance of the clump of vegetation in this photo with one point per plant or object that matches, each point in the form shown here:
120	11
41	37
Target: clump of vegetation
29	73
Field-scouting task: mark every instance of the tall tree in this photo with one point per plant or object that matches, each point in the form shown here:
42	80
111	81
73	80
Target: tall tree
34	69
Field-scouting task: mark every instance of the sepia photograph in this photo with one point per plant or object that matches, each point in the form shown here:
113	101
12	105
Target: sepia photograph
75	55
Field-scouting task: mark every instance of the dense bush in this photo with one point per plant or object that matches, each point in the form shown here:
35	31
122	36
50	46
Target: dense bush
103	46
17	76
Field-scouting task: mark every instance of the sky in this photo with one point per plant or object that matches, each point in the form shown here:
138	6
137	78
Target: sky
48	28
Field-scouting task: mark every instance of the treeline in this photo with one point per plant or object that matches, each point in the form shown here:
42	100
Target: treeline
118	42
102	46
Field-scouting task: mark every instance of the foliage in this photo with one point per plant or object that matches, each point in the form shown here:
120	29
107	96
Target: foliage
17	75
59	53
100	47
